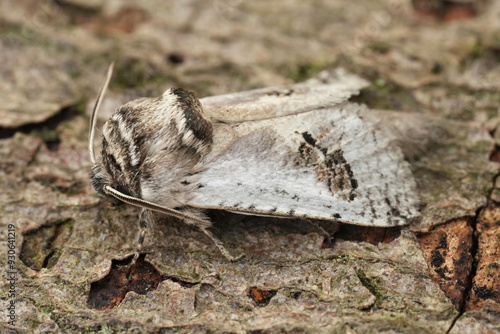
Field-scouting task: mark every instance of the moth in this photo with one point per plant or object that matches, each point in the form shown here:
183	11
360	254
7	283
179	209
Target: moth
295	152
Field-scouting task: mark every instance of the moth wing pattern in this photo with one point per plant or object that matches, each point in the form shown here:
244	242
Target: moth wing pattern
333	163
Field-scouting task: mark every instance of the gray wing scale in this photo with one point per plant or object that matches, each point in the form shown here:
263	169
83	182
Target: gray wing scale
329	163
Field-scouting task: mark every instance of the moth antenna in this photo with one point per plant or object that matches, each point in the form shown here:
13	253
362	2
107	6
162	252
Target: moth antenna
97	105
153	206
202	224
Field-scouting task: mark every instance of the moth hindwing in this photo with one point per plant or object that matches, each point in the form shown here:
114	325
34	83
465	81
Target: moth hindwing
301	151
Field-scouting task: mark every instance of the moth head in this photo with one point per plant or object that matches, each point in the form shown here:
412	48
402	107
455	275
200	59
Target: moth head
99	180
106	174
106	185
149	146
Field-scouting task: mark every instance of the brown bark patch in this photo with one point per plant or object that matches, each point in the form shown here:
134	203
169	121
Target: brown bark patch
447	251
109	292
448	10
372	235
486	282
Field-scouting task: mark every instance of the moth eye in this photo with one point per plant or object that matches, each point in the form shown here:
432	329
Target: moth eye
97	179
113	201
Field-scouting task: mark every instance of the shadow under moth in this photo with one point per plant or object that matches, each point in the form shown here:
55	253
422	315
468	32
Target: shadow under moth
301	151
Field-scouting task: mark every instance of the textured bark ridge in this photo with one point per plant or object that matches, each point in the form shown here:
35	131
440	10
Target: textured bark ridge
434	78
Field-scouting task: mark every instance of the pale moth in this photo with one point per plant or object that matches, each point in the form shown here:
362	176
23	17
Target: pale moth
296	152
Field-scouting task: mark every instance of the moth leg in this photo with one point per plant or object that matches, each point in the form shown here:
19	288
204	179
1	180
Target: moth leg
328	237
221	247
143	224
203	226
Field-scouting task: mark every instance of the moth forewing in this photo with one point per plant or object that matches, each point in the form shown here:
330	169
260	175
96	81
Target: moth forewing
330	164
329	89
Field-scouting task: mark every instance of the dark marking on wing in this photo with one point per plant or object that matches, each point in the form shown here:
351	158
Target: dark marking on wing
309	139
307	153
394	211
330	168
281	191
343	177
372	208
